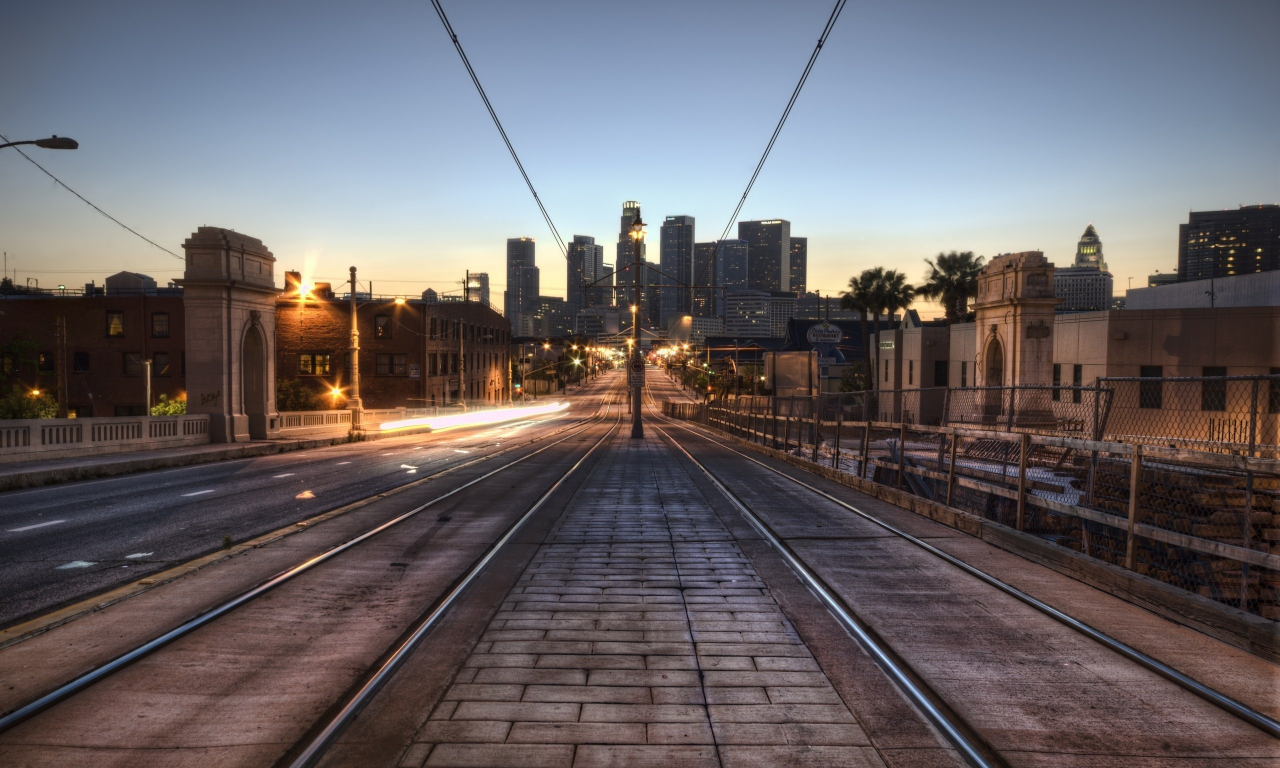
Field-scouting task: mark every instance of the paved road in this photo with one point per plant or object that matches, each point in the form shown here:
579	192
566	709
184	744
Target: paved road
61	543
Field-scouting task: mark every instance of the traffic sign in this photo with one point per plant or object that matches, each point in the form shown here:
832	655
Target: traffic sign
415	371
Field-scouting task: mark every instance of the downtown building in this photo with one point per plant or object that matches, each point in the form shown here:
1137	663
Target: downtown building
799	265
758	314
1086	286
675	261
1225	243
768	254
587	283
523	284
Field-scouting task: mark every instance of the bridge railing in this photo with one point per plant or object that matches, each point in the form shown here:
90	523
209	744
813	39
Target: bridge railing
1207	522
38	439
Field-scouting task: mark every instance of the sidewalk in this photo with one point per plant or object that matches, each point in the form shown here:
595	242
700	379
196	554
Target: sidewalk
26	474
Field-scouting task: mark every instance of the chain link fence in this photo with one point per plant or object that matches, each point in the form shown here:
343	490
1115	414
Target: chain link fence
1207	522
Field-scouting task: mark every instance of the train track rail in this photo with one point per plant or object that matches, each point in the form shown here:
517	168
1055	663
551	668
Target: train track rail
966	739
376	677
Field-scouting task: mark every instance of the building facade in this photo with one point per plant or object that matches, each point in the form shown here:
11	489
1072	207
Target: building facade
1086	286
1225	243
733	271
676	263
799	265
626	255
703	294
522	278
768	254
584	273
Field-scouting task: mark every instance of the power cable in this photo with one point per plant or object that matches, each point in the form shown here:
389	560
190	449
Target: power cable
795	94
91	205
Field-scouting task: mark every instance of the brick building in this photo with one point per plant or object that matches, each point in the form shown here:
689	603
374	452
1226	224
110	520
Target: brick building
409	351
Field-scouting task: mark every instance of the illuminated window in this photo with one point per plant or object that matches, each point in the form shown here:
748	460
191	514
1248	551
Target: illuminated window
382	326
313	364
115	323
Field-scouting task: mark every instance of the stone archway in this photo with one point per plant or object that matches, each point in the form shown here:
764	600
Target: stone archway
993	376
253	368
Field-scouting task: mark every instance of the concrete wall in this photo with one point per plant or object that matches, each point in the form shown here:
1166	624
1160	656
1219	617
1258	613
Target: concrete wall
1261	289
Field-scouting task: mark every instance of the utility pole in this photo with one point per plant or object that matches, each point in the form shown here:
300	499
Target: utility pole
637	358
146	373
62	369
353	401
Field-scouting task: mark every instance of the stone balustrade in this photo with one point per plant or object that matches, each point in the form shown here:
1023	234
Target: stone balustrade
37	439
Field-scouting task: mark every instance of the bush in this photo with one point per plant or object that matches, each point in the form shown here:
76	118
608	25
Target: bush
295	395
168	407
19	403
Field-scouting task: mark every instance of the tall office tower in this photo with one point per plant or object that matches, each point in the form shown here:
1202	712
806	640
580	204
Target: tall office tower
799	265
703	293
626	254
607	297
478	287
520	254
528	287
585	267
1223	243
769	246
733	270
676	263
1089	250
1086	286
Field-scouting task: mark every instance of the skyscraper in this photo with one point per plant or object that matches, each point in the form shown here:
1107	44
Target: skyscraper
1086	286
1223	243
478	287
585	267
703	294
516	299
676	263
626	254
733	271
799	265
1089	250
769	253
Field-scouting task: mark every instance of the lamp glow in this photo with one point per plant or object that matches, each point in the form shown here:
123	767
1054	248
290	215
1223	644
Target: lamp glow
437	423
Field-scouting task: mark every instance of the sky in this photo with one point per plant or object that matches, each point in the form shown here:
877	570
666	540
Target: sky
349	134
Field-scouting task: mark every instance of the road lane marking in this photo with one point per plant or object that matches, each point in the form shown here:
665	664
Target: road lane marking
136	555
343	462
459	450
286	474
27	528
197	493
76	564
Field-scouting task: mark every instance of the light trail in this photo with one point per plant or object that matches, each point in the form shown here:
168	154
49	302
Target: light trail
437	423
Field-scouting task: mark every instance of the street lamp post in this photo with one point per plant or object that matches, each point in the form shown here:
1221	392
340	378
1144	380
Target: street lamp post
353	402
637	358
53	142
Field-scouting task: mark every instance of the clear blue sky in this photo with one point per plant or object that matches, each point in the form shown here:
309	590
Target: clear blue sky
343	133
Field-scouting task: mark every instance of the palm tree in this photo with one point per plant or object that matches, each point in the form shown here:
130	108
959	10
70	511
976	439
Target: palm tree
860	297
952	279
892	293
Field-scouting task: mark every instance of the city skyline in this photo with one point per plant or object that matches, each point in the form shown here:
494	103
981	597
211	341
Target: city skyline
305	164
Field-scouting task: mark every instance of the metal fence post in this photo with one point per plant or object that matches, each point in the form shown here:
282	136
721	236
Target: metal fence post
1023	450
786	434
902	452
946	406
817	433
835	456
951	469
866	446
1135	479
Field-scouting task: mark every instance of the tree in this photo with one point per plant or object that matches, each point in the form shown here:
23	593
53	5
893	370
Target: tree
951	280
890	294
860	297
167	407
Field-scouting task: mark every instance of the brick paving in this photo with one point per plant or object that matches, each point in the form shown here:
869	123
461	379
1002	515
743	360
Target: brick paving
640	635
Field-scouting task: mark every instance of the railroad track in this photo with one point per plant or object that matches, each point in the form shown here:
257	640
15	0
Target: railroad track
321	734
967	740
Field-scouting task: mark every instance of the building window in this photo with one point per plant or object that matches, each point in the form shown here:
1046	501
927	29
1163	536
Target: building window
1213	393
160	364
391	365
911	371
886	370
132	364
382	326
45	361
1077	380
939	373
160	325
1057	382
80	362
1273	392
313	364
964	375
115	323
1151	393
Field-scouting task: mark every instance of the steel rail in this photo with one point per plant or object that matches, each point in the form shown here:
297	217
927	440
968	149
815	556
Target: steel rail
1268	725
84	681
316	748
972	753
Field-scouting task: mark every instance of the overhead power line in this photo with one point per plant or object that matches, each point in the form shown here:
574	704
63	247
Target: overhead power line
795	94
83	199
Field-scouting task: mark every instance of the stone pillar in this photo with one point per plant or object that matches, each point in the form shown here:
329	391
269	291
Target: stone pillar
1015	312
229	297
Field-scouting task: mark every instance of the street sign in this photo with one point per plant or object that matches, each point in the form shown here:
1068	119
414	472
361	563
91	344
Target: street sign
635	371
415	371
825	333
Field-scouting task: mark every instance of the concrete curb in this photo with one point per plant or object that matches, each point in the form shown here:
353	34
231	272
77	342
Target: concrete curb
1245	631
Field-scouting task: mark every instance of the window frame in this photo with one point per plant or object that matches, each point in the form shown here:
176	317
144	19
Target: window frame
168	327
381	326
156	370
136	358
307	363
77	357
1213	393
117	314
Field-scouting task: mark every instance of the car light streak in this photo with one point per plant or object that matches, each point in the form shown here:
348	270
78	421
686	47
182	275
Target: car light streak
437	423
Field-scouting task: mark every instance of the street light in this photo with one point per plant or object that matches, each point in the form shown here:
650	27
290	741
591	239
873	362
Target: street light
53	142
637	359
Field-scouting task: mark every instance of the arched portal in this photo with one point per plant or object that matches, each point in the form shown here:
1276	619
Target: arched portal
993	403
254	385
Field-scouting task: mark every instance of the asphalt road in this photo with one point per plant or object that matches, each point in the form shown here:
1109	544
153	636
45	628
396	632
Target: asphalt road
60	544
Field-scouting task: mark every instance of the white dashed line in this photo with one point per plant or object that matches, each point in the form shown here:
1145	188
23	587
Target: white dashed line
343	462
286	474
197	493
136	555
37	525
76	564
